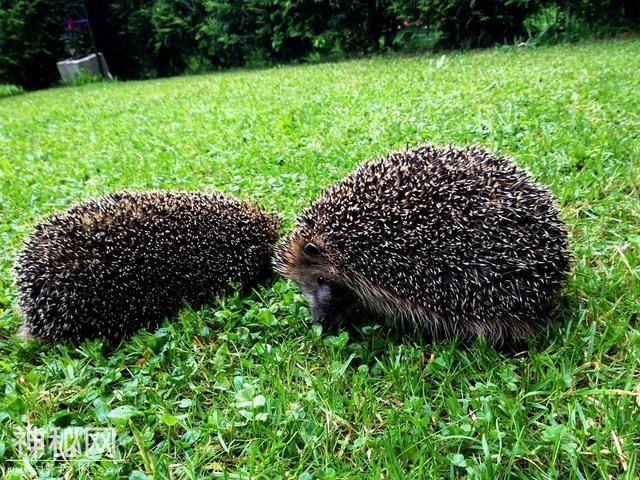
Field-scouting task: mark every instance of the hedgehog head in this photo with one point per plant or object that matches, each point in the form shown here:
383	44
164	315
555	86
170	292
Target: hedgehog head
305	260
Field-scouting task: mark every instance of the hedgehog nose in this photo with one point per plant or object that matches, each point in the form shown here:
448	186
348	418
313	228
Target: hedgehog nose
321	319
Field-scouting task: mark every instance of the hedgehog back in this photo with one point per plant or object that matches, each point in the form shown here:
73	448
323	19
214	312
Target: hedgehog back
456	240
108	267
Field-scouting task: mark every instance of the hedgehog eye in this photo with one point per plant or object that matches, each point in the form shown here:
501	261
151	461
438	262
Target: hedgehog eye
320	280
311	249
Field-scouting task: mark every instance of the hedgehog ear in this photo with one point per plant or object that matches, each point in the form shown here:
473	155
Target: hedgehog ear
310	249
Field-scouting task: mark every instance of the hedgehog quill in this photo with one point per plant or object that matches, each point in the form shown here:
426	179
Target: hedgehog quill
111	266
454	241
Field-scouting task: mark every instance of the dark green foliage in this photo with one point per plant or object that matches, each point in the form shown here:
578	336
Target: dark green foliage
156	38
463	23
559	21
230	34
325	27
161	38
8	90
30	40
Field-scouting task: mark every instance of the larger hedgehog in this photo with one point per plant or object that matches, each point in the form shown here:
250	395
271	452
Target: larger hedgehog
108	267
456	241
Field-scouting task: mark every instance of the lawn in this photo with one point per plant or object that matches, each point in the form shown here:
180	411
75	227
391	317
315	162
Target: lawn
247	387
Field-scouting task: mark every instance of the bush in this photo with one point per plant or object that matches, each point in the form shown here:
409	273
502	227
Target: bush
9	90
555	22
462	23
151	38
30	40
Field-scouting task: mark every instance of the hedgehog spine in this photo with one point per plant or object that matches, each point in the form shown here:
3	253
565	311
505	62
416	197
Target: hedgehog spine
110	266
451	240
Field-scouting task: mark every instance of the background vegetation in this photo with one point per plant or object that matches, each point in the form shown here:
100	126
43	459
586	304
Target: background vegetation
156	38
246	387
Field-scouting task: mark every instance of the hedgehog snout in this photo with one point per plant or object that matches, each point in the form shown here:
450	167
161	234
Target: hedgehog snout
322	320
325	300
323	314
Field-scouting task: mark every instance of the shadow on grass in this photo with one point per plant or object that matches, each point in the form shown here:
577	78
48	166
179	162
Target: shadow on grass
359	323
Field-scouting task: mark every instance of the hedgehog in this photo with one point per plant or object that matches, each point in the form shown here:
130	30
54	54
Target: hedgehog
108	267
452	241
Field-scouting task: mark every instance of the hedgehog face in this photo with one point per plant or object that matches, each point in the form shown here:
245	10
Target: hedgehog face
321	297
320	286
309	267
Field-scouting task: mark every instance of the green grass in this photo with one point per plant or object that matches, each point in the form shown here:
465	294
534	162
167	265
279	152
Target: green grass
246	388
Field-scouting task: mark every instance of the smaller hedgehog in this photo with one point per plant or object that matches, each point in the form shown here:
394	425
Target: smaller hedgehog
111	266
456	241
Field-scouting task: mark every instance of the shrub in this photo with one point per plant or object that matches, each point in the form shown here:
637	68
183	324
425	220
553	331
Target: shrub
9	90
462	23
151	38
555	22
30	40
